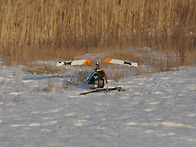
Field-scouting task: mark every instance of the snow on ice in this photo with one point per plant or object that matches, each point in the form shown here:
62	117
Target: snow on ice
155	110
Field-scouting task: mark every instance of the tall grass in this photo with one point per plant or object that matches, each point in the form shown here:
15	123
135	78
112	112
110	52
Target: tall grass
52	29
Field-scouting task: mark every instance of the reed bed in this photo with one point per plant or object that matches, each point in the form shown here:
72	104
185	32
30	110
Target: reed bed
61	29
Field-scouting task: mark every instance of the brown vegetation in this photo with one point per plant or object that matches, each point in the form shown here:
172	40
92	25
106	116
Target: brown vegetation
39	69
61	29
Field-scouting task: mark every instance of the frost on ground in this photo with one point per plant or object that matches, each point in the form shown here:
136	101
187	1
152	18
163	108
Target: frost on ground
155	110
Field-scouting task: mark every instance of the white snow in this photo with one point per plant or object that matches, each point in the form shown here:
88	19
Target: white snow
155	110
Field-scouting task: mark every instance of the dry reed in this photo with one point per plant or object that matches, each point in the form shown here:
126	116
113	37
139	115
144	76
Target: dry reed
44	29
